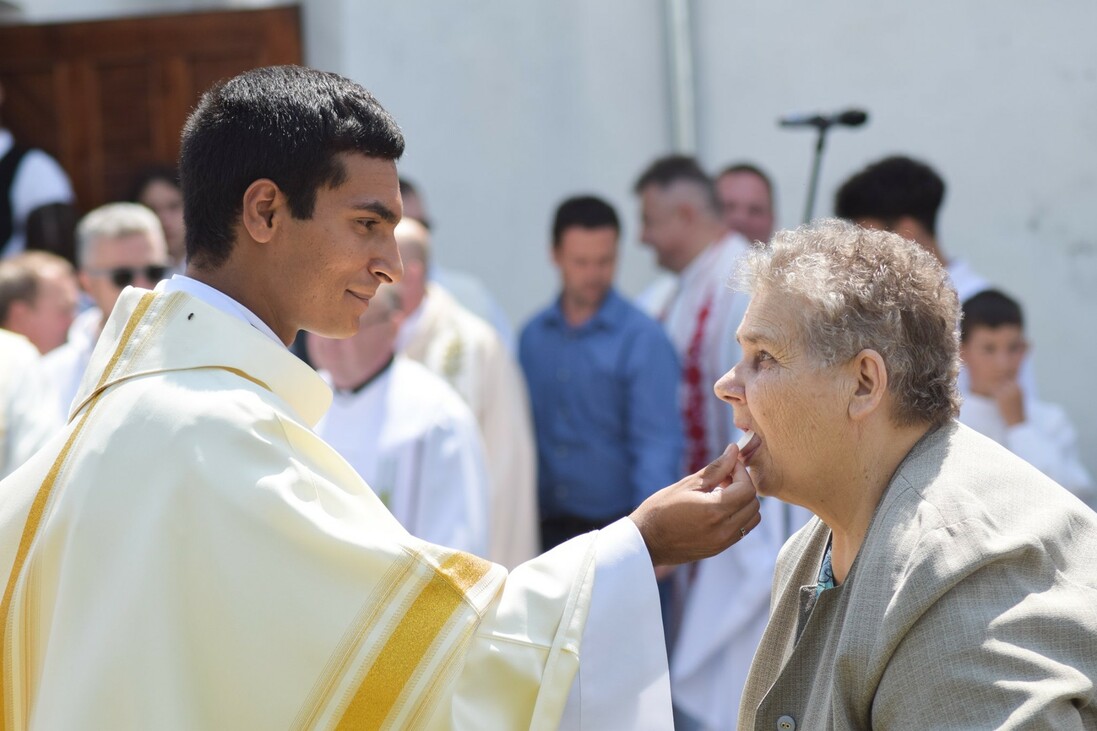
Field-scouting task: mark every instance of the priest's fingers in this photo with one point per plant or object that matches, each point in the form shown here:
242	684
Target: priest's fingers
737	481
719	472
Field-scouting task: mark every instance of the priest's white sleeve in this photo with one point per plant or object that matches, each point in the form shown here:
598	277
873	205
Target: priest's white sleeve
622	683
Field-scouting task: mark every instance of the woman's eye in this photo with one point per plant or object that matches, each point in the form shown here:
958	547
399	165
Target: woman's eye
762	356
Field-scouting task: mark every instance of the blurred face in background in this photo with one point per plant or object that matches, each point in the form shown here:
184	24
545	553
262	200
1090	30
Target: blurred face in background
665	225
166	201
114	263
746	205
587	260
993	356
49	317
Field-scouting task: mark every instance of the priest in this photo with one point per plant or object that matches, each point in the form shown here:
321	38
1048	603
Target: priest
187	553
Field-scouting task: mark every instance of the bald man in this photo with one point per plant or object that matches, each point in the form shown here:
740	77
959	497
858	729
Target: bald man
465	351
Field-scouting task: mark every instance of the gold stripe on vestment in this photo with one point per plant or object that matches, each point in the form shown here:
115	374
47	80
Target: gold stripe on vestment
37	514
411	640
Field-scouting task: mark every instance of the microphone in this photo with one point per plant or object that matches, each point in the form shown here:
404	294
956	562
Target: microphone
848	118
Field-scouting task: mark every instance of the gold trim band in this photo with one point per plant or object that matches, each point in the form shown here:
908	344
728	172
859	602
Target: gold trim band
410	642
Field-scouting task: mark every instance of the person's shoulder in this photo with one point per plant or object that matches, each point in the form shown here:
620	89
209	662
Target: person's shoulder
638	326
39	169
964	493
61	359
636	318
15	347
422	395
540	319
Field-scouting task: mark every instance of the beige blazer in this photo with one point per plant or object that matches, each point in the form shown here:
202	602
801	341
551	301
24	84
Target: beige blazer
971	605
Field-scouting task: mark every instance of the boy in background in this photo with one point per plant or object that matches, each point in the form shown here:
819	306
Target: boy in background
992	346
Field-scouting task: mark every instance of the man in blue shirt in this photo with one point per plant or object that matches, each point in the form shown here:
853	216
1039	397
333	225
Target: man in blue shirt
603	381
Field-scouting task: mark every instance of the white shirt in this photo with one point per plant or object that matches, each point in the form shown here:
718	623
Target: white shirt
218	299
64	366
707	277
1045	439
966	280
38	181
411	437
28	416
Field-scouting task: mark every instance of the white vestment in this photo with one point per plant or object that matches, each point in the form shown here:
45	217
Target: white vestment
477	299
188	554
707	279
416	444
466	352
1045	439
64	366
28	416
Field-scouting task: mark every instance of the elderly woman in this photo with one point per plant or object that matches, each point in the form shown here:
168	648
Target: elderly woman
945	583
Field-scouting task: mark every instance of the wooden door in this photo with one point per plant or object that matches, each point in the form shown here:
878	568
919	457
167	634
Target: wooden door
108	98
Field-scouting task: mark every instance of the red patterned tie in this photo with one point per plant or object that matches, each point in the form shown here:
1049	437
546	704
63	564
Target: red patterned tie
693	410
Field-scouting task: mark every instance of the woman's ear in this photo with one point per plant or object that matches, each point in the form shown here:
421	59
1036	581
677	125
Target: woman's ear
262	200
870	384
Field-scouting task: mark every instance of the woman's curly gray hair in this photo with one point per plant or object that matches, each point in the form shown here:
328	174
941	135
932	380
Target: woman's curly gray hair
874	290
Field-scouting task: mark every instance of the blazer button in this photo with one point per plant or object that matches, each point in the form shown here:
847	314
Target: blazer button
786	723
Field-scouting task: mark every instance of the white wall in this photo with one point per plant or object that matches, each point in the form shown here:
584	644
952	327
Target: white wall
1000	97
510	106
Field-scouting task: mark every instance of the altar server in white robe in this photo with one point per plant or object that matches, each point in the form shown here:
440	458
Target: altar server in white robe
465	351
187	553
405	431
719	607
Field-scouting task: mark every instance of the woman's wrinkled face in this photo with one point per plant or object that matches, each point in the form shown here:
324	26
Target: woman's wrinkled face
797	409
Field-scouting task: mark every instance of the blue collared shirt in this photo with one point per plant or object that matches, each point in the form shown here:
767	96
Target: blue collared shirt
605	409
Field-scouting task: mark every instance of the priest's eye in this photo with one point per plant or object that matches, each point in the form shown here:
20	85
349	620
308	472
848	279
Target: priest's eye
762	357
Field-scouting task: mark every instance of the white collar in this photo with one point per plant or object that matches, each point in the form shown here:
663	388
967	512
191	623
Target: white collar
217	299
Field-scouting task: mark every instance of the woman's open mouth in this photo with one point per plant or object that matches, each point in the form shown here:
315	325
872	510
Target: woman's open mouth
750	443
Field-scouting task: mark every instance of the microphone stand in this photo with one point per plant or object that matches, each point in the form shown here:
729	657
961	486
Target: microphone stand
816	164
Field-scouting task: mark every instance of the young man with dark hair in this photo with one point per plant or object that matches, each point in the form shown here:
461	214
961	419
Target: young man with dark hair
992	347
603	381
189	553
904	195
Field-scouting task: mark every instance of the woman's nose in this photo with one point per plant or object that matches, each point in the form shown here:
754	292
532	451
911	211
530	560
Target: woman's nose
730	387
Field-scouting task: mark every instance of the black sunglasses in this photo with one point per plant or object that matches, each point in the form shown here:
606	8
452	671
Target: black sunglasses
124	276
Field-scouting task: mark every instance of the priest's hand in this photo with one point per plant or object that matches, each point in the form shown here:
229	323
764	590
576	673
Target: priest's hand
700	515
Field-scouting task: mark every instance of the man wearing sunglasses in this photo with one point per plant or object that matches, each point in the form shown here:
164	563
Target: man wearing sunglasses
118	244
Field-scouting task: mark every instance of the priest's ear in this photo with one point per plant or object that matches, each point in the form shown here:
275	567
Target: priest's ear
264	205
